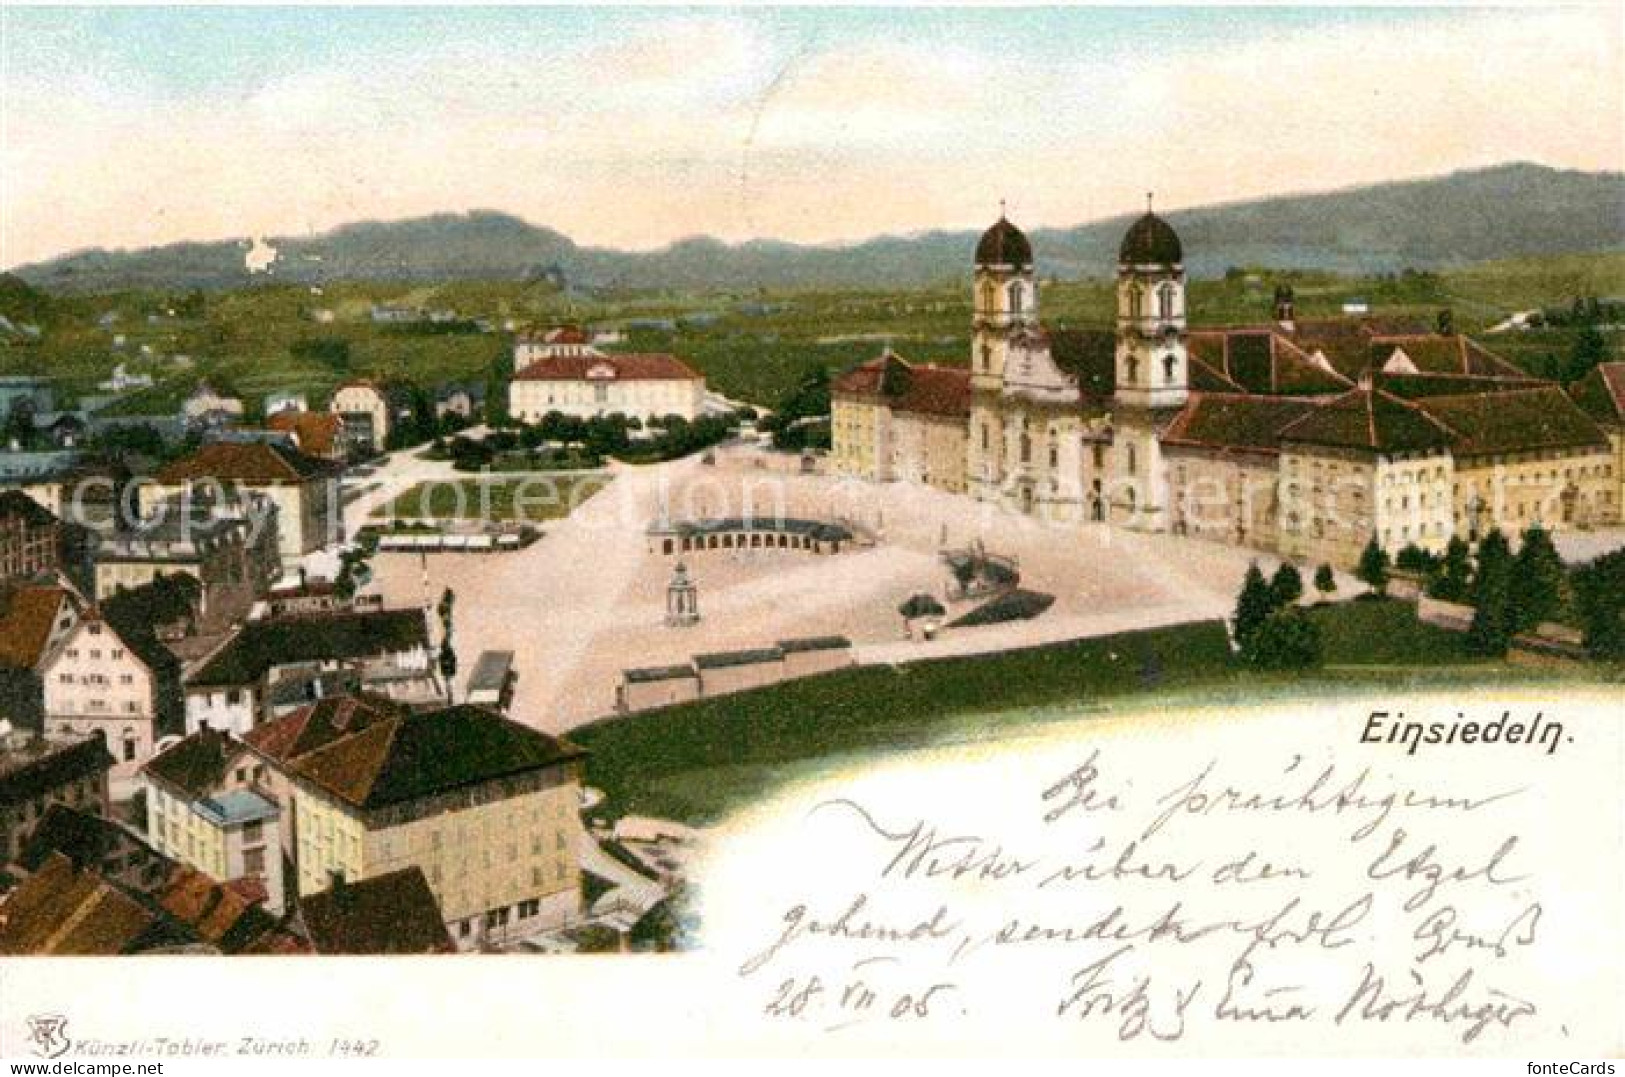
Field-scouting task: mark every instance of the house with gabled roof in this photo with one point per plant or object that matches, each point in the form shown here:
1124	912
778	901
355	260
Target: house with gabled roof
486	808
304	489
234	688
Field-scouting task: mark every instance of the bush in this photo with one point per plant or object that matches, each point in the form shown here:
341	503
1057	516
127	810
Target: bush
1452	582
1253	606
1286	640
1599	598
1286	586
1325	580
1373	567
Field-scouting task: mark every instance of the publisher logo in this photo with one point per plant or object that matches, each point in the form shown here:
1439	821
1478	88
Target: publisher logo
48	1032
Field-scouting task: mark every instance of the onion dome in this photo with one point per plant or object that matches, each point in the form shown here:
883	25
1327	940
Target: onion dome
1004	245
1150	241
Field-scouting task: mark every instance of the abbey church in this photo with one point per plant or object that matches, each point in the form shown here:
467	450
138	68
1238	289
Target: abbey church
1305	438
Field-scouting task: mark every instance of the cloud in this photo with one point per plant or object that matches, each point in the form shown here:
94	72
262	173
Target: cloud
675	124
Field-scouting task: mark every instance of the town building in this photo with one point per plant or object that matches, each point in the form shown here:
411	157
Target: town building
559	342
901	421
205	808
488	809
206	401
315	433
231	549
285	400
1601	395
38	770
30	537
393	913
304	489
1307	438
236	687
465	400
372	411
34	618
121	685
644	386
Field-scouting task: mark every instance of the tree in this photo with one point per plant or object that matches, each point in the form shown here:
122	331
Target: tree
1286	586
1453	579
1492	629
448	656
1253	605
1287	639
1325	580
1590	348
1599	598
1539	578
1373	567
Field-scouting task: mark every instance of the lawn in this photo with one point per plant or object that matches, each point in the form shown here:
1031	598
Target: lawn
533	499
698	761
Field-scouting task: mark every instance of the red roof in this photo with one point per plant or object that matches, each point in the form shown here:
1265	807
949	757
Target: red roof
652	366
317	431
903	386
245	462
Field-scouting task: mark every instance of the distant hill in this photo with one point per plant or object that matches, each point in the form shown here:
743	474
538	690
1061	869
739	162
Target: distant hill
1508	211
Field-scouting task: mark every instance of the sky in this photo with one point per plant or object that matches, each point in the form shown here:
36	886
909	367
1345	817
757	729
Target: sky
631	128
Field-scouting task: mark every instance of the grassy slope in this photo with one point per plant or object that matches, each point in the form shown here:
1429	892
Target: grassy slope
241	339
698	760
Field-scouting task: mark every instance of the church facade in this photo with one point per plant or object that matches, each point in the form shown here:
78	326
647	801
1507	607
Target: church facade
1302	438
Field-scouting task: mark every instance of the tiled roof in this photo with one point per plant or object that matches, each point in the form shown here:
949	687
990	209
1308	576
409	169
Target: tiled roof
63	911
33	764
275	641
1370	420
1263	360
16	505
1601	393
653	674
317	431
247	462
387	914
197	764
1511	422
419	754
725	659
318	724
28	616
1088	357
814	643
88	841
921	389
1432	353
1417	386
1246	422
656	366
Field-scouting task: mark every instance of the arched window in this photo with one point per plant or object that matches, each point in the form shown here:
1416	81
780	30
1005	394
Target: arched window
1133	369
1129	457
1165	301
1026	445
1168	369
989	299
1015	298
987	356
1054	450
1136	302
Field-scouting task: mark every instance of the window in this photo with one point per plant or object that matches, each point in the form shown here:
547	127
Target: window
1015	298
254	831
254	861
234	697
1165	302
529	908
126	678
1136	303
1168	369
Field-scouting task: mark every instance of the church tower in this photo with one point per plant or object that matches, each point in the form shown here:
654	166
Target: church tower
1151	366
1004	301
